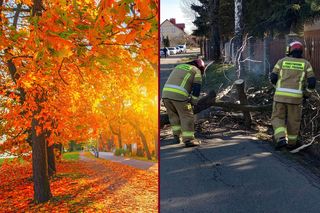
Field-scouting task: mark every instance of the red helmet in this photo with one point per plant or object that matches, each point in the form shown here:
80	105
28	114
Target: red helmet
296	45
200	64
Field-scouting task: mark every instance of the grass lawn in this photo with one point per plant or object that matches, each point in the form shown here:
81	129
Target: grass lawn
70	156
2	160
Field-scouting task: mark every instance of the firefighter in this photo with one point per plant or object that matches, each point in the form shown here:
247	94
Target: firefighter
180	93
294	79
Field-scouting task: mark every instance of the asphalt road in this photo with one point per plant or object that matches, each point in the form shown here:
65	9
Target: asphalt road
233	174
139	164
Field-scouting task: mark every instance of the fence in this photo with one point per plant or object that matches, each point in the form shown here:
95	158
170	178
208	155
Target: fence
312	51
260	56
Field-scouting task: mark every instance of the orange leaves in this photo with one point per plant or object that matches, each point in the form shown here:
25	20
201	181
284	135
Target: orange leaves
80	63
89	185
27	2
106	3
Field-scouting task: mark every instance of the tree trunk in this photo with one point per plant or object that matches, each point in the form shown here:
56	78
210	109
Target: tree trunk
51	161
201	47
205	101
42	192
215	52
143	138
238	33
118	134
266	55
209	101
144	142
240	85
41	187
156	140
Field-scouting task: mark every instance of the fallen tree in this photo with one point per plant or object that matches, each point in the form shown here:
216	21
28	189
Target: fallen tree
210	101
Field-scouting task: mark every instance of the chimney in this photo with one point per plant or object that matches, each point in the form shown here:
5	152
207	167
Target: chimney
173	20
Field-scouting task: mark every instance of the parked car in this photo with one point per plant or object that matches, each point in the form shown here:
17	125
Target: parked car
162	51
183	48
172	50
179	50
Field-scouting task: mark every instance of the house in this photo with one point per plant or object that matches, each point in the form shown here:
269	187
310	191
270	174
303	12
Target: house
174	31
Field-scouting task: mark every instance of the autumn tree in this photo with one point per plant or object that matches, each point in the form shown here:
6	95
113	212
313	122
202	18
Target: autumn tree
59	63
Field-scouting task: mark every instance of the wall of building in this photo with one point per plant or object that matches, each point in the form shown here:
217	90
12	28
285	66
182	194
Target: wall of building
176	35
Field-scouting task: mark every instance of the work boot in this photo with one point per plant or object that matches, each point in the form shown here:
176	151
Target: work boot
282	142
176	139
192	143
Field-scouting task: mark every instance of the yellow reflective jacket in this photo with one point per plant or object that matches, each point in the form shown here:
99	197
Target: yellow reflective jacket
179	84
292	74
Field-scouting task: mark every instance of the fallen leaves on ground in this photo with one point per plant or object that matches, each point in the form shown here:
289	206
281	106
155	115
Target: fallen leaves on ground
85	185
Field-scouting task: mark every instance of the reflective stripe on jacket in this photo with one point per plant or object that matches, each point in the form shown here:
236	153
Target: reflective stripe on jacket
179	84
292	74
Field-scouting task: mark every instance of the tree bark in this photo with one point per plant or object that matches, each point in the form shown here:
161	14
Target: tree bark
266	55
143	138
238	33
240	85
215	52
42	192
41	186
205	102
118	134
51	161
156	140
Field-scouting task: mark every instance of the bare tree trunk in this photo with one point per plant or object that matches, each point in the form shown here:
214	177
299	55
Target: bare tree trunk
238	33
118	134
41	187
240	85
144	142
120	138
51	161
156	140
215	52
266	55
143	139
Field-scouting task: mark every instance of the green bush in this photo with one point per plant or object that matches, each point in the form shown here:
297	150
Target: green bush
127	153
218	75
119	151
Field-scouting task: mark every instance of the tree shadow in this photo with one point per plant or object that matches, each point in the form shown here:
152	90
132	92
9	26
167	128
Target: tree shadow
234	175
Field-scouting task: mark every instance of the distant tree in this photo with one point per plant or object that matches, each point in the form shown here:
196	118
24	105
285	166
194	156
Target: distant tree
215	51
166	41
278	18
202	21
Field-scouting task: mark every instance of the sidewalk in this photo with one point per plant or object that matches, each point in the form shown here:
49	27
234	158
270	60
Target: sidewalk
139	164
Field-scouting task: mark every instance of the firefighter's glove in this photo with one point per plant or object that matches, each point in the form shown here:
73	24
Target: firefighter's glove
193	100
307	94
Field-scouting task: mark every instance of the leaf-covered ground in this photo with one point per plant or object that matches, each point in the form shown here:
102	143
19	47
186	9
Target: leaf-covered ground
84	185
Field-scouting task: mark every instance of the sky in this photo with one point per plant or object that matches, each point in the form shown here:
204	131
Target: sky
174	9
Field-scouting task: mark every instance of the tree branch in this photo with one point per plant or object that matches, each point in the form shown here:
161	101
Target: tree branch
60	73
